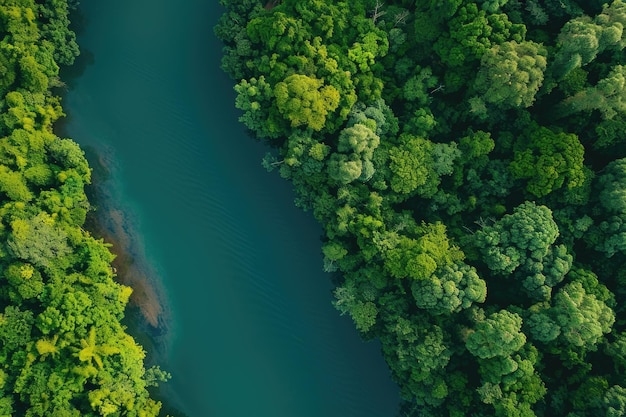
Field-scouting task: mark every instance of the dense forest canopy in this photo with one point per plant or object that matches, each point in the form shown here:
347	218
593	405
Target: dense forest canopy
63	351
467	161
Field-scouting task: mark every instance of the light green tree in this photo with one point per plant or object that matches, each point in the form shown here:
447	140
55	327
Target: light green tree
608	97
498	335
583	318
511	73
305	100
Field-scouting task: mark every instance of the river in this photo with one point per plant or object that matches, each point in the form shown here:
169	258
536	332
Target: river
247	323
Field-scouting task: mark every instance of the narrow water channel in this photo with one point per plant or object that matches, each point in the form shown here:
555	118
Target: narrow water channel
249	326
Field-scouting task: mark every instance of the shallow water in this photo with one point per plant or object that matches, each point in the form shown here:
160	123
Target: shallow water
250	330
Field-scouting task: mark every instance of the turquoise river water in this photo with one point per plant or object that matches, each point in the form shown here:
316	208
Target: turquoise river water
248	328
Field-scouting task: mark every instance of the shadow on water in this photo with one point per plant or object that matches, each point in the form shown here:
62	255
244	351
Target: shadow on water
86	58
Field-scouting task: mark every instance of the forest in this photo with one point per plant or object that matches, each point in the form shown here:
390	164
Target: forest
467	162
63	349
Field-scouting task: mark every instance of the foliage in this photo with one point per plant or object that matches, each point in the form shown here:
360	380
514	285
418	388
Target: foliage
64	350
511	74
466	161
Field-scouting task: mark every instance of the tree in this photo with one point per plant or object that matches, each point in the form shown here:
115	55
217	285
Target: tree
542	328
15	328
13	185
417	88
57	31
583	38
378	117
418	258
583	318
32	75
37	240
539	276
277	32
549	160
254	99
25	279
416	165
353	160
611	186
472	32
580	43
509	242
305	101
511	73
67	154
417	355
450	289
607	97
615	401
499	335
344	168
90	351
608	234
8	60
363	312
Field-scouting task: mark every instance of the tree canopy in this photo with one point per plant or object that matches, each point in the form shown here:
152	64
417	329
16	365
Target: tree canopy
465	159
63	348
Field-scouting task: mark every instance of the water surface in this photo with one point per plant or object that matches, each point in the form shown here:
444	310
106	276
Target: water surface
250	326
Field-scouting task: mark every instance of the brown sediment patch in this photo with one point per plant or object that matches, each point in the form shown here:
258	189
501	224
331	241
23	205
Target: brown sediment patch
130	270
117	227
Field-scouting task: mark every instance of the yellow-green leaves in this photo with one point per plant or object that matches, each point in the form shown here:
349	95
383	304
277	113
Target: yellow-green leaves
511	73
305	101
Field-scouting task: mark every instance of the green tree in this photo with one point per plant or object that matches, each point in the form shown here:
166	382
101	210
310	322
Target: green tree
90	351
25	279
509	242
57	31
416	165
254	99
611	186
417	355
13	185
37	240
583	318
615	401
277	31
418	258
353	161
607	97
511	73
548	160
583	38
499	335
15	328
305	101
450	289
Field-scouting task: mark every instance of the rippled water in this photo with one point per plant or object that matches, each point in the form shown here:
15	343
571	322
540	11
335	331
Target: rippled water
251	331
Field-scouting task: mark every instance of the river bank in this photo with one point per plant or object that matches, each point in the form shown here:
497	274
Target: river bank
115	225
